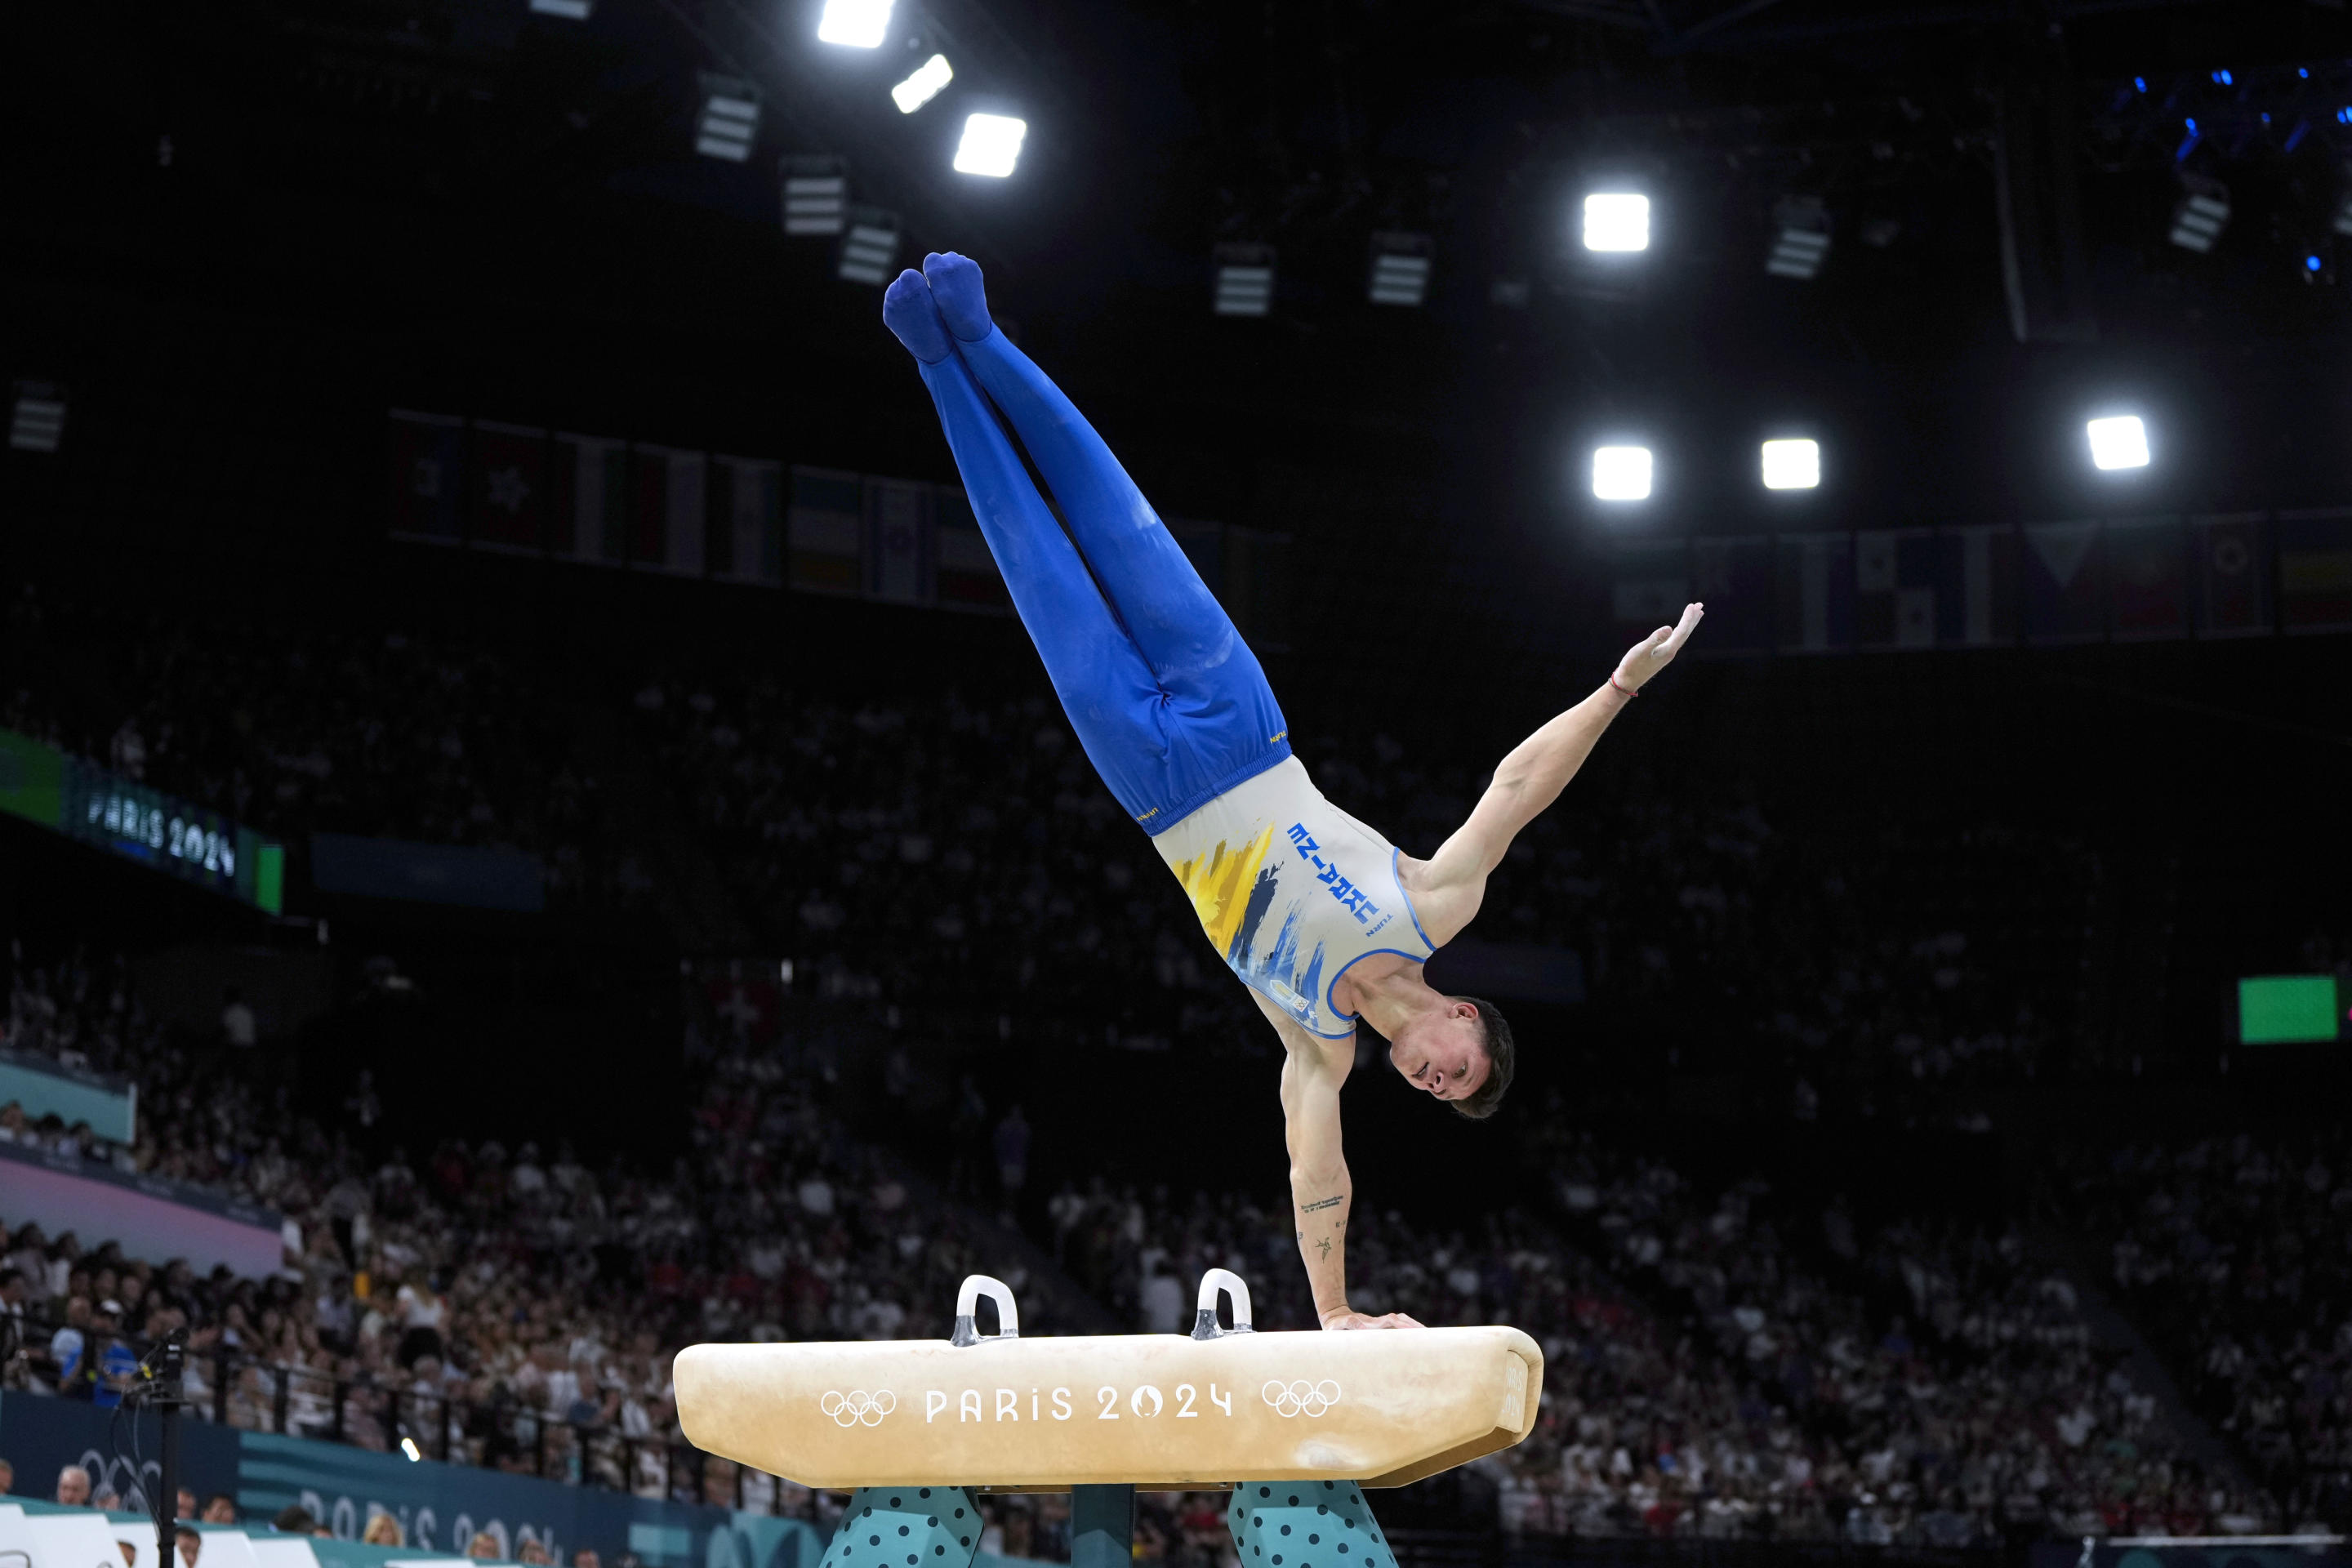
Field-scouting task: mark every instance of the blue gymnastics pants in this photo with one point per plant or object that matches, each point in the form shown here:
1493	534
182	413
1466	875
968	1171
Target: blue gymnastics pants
1170	705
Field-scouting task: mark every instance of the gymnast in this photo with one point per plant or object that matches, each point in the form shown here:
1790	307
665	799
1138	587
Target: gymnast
1320	916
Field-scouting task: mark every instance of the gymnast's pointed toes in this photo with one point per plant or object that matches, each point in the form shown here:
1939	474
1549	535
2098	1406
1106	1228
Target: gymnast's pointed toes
962	297
908	310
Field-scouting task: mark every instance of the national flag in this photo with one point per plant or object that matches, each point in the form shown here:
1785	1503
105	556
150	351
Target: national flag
898	540
668	516
964	568
1977	588
1813	601
509	470
746	521
1895	587
2065	582
824	532
2232	593
1649	582
588	499
1734	581
2314	570
2147	567
426	474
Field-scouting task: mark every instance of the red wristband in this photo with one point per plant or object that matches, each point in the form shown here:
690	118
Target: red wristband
1628	691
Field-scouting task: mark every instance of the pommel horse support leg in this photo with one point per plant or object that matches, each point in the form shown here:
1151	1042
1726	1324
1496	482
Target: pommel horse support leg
1314	1416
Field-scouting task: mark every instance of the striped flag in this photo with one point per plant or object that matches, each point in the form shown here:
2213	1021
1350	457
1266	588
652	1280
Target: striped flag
746	521
2231	552
965	571
897	541
667	512
427	476
823	532
1814	603
2148	563
1977	604
2065	582
1895	587
2314	570
510	487
588	499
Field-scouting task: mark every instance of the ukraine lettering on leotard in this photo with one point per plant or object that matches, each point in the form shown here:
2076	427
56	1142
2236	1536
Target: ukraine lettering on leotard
1262	865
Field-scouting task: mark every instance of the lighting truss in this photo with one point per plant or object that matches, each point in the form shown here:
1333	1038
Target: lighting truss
869	247
1400	263
1801	242
816	195
2201	214
728	123
38	421
1245	280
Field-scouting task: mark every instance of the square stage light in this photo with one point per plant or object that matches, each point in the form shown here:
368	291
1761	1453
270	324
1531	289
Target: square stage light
1616	220
924	84
2119	443
1621	473
991	145
859	24
1792	465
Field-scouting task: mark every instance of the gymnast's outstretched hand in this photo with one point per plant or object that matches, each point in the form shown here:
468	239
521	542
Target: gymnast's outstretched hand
1344	1318
1657	650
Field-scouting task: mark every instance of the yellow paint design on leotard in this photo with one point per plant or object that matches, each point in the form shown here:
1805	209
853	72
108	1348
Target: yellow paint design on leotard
1219	885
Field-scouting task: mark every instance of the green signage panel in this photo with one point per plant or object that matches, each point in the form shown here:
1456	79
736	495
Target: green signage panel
2284	1009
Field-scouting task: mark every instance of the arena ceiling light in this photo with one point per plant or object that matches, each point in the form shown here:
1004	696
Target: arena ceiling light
869	247
1792	465
1245	280
729	120
816	195
923	86
2119	441
856	23
2201	215
37	423
1800	242
990	145
1616	220
1621	473
569	10
1400	263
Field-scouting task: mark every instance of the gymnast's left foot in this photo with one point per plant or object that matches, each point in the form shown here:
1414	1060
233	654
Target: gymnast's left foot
963	298
907	311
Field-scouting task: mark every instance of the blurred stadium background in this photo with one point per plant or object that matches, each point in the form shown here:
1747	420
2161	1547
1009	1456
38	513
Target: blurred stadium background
527	840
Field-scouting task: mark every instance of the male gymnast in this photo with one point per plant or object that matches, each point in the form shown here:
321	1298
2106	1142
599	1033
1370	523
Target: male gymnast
1321	918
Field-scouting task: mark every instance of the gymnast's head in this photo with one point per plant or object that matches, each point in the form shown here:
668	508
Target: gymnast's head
1461	1052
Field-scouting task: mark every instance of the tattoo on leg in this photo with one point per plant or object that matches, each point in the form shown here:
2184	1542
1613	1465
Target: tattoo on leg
1329	1202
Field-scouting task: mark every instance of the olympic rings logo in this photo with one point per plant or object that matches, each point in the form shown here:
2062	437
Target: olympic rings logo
858	1408
1300	1398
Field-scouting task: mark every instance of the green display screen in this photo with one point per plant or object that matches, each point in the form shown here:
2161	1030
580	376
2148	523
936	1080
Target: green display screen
84	801
2283	1009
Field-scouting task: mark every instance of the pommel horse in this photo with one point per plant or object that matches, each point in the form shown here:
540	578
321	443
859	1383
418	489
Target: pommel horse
916	1428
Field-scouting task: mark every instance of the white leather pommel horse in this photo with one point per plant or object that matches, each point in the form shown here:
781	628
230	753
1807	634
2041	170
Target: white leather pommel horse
916	1426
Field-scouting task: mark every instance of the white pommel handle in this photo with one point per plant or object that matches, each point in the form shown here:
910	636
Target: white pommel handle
1204	1322
1008	1317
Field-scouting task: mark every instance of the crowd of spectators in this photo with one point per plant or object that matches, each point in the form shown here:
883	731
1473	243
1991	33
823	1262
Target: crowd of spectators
1719	1366
2228	1250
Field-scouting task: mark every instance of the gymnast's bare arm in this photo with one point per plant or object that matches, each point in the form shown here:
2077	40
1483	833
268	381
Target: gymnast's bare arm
1321	1191
1447	888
